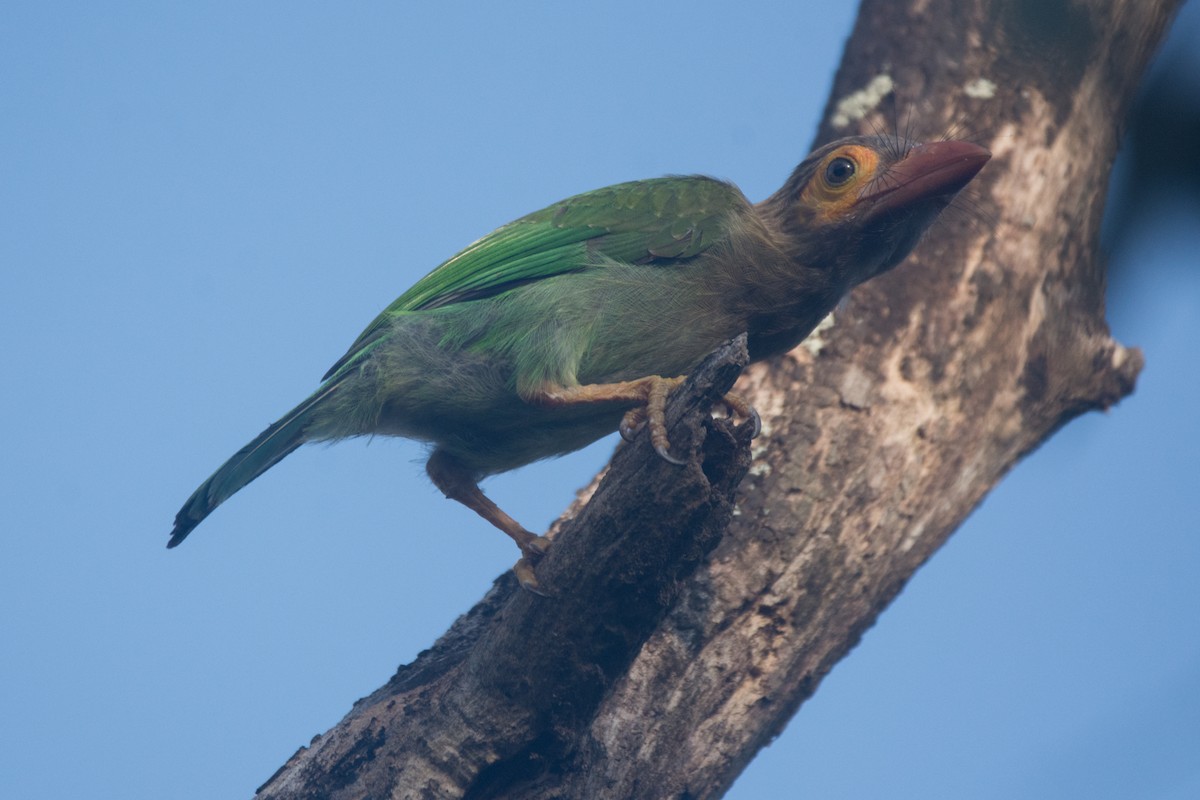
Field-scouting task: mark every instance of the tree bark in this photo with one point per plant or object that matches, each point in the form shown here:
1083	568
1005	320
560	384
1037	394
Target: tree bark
694	611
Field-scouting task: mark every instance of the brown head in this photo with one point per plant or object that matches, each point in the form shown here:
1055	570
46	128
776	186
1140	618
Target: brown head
856	207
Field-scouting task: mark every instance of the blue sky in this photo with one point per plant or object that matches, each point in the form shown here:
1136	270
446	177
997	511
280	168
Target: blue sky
204	204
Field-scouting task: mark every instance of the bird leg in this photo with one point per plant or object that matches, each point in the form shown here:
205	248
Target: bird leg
735	405
650	394
459	483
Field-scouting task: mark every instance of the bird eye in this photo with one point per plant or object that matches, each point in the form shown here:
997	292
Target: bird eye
839	171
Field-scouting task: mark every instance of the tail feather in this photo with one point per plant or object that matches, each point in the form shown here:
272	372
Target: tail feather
265	451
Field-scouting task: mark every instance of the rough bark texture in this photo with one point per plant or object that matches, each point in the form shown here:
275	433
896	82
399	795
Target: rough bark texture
664	664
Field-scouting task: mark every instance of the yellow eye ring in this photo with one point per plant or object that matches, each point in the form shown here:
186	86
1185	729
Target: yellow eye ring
834	189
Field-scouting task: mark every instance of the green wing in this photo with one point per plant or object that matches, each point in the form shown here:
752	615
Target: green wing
660	222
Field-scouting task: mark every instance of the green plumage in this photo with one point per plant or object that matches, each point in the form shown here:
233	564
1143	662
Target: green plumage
633	280
663	221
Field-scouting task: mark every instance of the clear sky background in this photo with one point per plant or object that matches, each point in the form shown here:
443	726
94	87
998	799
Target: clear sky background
201	205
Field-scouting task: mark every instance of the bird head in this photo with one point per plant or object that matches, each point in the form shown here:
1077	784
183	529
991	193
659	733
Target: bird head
857	206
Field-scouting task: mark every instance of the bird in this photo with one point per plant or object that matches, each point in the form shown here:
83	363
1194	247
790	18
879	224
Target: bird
579	319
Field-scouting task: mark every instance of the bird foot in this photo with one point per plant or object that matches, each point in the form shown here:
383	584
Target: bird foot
649	396
737	405
532	552
636	418
652	414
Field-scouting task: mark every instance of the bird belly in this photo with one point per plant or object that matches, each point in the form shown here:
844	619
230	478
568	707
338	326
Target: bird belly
428	381
467	377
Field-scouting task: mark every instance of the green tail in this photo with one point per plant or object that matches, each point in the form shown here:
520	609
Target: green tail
267	450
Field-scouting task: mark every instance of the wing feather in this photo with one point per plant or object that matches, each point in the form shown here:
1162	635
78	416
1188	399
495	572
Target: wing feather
660	222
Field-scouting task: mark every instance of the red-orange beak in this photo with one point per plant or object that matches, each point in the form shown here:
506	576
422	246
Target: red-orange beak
937	169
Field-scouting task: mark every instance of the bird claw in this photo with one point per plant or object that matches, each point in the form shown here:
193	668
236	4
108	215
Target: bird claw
736	404
755	423
652	415
655	413
532	552
666	456
527	579
632	423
